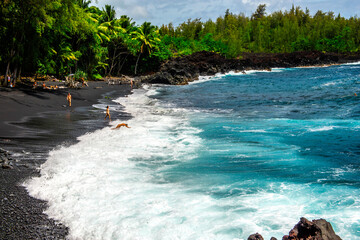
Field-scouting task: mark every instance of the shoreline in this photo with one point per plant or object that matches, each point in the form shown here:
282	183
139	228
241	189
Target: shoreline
33	122
181	71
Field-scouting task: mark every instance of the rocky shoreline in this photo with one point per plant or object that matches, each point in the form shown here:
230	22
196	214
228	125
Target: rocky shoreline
319	229
180	71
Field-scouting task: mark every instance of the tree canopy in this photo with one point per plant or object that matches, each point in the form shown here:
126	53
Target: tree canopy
279	32
60	37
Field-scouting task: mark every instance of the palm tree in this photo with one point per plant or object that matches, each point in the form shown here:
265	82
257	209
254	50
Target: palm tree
108	13
127	23
147	38
107	30
147	28
83	3
116	35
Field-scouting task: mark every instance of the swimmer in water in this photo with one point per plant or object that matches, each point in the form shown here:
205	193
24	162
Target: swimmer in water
121	125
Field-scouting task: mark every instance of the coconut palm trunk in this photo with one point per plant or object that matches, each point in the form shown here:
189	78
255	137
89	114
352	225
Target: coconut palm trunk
137	61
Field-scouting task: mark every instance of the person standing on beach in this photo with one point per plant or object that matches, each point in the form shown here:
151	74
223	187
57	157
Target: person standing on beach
107	113
11	81
68	98
8	80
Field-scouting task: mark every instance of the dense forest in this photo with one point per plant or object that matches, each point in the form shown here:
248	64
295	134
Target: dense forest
61	37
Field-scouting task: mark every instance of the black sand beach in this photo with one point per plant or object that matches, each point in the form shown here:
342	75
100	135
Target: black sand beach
32	122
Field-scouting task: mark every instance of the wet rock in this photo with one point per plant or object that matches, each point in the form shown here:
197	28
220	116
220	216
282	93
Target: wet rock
5	159
312	230
327	232
319	229
255	236
6	165
2	150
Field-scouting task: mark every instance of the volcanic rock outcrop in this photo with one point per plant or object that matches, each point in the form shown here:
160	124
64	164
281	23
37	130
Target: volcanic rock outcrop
319	229
182	70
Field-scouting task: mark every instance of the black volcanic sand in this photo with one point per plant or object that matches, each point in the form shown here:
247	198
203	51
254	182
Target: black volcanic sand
33	122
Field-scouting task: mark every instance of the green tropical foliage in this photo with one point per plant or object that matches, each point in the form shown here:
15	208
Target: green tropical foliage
61	37
288	31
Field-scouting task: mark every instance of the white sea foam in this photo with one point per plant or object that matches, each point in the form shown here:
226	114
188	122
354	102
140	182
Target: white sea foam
320	129
232	73
335	173
353	63
203	79
279	69
238	73
330	84
106	185
254	131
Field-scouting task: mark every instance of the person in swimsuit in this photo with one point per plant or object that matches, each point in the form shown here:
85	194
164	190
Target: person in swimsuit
68	98
121	125
107	113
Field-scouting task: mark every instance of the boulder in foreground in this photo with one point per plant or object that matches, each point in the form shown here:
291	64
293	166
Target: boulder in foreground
319	229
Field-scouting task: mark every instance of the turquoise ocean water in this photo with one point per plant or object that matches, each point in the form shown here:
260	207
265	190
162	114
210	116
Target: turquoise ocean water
221	158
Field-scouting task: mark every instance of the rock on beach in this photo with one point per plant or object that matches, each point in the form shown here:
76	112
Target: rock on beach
319	229
5	159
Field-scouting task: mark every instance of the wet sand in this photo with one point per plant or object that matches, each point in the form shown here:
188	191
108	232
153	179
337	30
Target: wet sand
32	122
